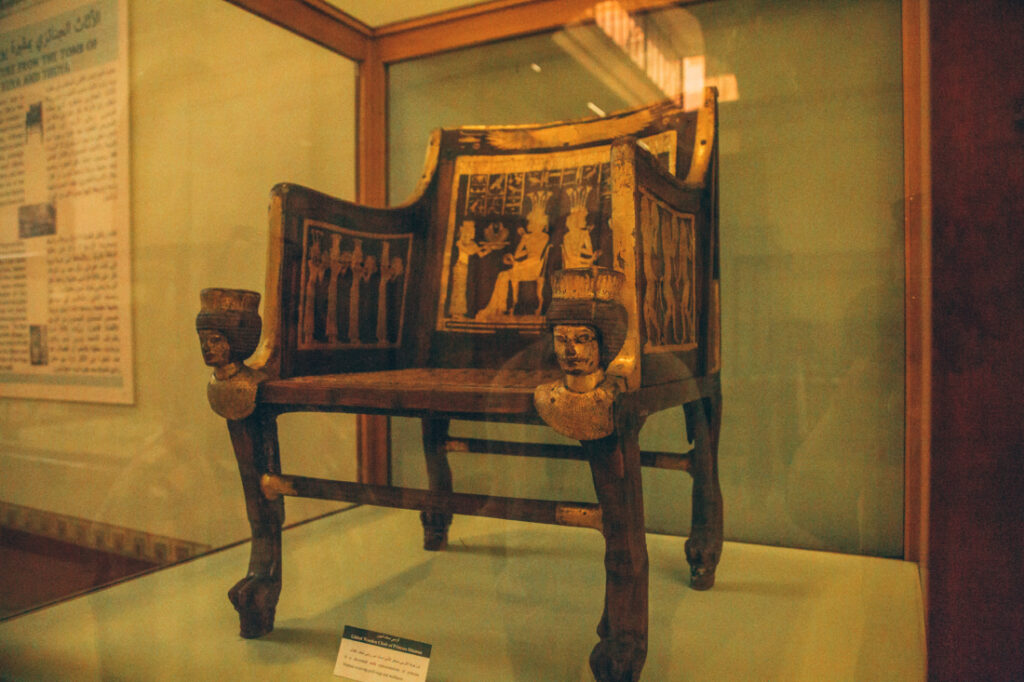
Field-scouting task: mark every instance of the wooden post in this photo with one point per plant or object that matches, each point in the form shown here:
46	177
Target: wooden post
255	596
615	465
439	477
373	433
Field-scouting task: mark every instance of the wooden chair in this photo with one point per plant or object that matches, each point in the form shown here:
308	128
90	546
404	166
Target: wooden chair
426	310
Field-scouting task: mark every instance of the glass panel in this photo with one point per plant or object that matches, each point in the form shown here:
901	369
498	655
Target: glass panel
223	106
812	247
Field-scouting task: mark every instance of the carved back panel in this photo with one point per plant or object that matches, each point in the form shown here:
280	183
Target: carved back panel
345	282
515	204
676	279
460	276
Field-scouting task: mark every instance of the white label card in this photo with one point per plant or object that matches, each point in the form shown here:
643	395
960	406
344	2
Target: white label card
367	656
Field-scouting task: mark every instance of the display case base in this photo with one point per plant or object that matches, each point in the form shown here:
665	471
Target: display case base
505	601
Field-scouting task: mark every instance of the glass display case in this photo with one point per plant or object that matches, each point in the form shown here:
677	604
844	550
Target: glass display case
215	121
823	212
811	201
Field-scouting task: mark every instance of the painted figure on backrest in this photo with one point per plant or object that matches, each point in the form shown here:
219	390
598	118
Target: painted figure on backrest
527	262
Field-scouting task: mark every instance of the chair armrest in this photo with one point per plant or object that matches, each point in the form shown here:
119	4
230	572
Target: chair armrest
336	296
658	220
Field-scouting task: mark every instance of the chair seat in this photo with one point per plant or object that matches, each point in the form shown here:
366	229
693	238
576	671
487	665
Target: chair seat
439	390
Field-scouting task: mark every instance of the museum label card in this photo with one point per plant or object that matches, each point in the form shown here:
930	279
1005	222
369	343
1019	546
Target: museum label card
367	656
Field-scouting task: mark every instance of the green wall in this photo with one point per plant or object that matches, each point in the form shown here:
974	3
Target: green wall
812	255
223	106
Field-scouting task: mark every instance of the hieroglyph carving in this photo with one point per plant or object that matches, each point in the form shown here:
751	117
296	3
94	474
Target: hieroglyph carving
516	219
667	275
353	287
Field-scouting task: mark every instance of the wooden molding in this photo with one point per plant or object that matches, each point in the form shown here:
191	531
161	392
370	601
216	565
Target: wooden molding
317	21
488	22
326	25
372	131
917	292
447	16
373	432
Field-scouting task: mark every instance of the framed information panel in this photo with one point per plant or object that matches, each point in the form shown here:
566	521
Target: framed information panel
65	269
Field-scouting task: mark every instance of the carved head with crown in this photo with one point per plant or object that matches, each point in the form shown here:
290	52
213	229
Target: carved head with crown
587	322
229	326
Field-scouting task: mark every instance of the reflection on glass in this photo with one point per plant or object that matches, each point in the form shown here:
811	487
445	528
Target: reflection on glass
89	492
811	203
670	56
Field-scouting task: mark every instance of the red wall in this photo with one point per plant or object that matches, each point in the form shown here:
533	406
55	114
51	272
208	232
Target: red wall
976	556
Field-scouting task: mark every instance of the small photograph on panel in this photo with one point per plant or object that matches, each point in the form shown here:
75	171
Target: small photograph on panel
37	220
37	349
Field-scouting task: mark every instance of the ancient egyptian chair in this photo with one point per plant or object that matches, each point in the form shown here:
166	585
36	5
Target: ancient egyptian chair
443	308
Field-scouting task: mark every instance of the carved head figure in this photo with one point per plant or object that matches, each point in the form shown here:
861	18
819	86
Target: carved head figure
589	329
215	346
337	259
315	250
396	268
228	325
577	348
369	267
588	323
467	231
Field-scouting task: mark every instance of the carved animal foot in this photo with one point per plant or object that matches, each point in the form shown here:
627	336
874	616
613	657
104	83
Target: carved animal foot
702	553
255	599
619	659
435	530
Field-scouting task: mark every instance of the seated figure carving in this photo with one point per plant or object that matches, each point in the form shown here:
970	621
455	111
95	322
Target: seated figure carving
527	263
577	246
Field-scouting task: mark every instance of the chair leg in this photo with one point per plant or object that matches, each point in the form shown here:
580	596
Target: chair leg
439	477
255	596
704	546
615	465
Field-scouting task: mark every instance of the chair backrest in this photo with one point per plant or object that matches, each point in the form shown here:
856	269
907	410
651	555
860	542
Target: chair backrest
459	275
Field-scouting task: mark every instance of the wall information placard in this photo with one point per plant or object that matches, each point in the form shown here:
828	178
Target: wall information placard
65	258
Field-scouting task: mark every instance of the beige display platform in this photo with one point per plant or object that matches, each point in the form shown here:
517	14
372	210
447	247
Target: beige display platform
508	601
